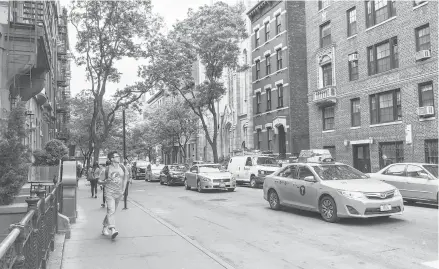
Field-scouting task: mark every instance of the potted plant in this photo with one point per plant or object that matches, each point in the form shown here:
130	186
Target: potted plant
47	161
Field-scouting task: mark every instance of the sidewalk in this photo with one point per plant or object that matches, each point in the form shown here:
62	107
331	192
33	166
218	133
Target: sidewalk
143	242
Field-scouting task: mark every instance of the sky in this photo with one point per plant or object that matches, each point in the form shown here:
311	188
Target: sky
170	10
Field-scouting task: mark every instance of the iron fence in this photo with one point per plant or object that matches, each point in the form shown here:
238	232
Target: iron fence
30	241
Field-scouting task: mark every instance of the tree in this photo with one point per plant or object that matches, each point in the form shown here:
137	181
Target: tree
108	31
14	155
174	122
142	140
210	35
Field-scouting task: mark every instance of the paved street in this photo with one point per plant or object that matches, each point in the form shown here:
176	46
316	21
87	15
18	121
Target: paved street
242	231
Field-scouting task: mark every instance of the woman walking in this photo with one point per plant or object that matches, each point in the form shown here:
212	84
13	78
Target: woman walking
93	176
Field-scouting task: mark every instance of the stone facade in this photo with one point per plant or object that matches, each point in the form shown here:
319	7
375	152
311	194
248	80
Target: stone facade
397	134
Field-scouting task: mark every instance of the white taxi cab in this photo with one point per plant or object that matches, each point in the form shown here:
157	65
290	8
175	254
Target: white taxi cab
335	190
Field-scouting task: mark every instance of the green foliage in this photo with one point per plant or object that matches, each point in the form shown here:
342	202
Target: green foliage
14	156
53	152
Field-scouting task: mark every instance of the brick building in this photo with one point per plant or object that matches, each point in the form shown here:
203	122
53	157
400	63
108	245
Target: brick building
280	113
373	78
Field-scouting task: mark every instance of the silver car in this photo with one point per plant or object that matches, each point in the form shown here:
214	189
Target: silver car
335	190
415	181
209	177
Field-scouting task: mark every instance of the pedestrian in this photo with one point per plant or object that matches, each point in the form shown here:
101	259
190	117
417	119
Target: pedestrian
114	178
125	194
107	163
93	176
148	173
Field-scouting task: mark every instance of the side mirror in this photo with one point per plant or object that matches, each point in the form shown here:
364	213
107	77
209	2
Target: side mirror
310	179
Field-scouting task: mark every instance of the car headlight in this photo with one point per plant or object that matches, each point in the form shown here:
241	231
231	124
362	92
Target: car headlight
396	193
260	172
205	179
353	194
233	179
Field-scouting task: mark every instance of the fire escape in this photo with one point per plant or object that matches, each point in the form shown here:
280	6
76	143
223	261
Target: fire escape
63	78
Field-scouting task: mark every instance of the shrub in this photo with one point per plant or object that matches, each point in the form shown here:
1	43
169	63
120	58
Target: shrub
53	152
14	156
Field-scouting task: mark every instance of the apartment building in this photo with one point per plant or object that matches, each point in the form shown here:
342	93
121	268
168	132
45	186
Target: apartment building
279	68
34	56
372	80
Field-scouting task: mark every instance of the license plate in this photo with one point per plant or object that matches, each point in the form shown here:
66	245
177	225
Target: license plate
385	207
222	185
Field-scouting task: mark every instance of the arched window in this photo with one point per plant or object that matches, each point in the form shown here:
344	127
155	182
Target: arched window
325	71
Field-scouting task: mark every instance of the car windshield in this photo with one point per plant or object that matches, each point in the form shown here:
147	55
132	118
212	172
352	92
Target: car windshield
177	168
266	160
338	172
141	164
209	169
157	167
432	169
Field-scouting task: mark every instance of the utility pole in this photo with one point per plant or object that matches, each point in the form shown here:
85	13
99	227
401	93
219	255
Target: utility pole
124	141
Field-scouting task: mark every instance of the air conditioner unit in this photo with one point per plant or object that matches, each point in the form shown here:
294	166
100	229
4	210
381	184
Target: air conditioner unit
425	111
422	55
353	57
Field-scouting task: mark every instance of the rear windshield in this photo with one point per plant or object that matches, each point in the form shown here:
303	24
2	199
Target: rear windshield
266	160
141	164
338	172
177	168
432	169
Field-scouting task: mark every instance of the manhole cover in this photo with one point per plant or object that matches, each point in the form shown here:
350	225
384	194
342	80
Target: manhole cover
217	200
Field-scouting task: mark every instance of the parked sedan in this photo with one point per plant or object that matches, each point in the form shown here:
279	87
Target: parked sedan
172	175
415	181
209	177
335	190
154	175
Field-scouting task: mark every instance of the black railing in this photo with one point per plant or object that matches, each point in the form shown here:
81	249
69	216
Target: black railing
30	241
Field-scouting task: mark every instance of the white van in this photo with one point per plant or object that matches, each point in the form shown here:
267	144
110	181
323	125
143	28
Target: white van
252	169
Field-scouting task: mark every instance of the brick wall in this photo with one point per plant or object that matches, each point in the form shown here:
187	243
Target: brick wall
406	77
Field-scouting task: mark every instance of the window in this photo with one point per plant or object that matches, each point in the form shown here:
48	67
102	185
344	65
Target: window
423	38
396	170
385	107
391	152
378	11
269	137
325	34
327	74
258	69
289	171
279	59
353	70
256	38
352	21
331	150
431	151
280	95
267	65
278	24
355	112
323	4
258	102
268	93
328	118
418	2
415	171
383	56
248	162
259	134
426	96
267	31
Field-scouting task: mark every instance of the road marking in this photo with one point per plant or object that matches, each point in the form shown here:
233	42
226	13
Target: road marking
182	235
432	264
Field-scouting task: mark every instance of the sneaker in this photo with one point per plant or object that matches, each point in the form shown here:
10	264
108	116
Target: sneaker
105	231
102	205
114	233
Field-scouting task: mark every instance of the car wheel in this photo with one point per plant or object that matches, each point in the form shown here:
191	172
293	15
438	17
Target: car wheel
199	189
253	183
328	209
186	186
273	200
231	190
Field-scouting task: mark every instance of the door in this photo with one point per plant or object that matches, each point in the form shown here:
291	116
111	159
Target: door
362	158
282	141
246	172
395	175
419	185
191	177
307	190
287	185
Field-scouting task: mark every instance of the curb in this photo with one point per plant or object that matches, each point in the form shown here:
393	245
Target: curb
55	258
